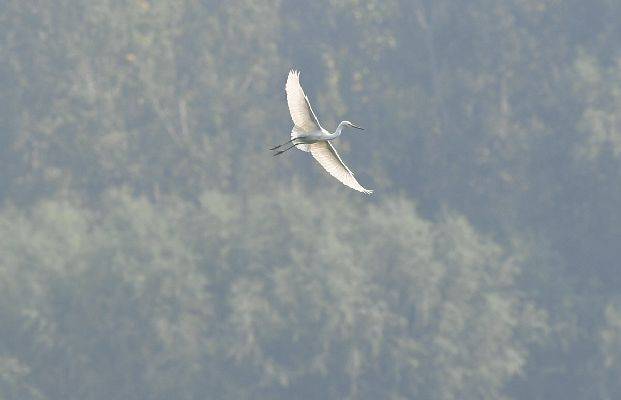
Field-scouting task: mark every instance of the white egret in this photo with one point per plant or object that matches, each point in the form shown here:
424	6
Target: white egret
308	135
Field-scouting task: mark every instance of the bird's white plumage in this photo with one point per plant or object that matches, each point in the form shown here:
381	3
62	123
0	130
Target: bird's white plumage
305	122
299	107
326	155
295	133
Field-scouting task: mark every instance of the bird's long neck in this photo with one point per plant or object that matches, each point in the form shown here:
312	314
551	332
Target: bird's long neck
339	129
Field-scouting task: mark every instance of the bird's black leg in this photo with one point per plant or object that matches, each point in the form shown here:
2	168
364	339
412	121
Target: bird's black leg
280	145
288	148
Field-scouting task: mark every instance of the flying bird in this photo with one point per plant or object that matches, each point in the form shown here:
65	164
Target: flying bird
308	135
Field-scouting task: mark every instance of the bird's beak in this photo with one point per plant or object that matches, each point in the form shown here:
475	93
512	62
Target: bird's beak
357	127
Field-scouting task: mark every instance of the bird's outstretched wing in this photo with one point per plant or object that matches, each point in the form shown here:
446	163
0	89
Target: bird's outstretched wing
329	159
299	107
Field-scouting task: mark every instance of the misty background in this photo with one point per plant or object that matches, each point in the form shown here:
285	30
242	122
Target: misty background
151	247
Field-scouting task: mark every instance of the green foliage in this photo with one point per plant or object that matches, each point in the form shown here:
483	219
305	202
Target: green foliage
610	350
143	300
151	248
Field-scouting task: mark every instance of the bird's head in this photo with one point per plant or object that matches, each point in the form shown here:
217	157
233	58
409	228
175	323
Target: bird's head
352	125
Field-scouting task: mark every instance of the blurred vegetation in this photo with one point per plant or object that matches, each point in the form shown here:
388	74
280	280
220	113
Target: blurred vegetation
150	247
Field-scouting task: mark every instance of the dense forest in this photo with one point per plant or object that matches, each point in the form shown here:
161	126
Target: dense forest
151	247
